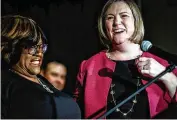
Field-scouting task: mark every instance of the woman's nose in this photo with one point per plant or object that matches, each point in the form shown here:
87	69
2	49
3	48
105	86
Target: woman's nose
117	20
39	51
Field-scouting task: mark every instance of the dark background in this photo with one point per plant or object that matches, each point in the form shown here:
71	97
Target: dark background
71	27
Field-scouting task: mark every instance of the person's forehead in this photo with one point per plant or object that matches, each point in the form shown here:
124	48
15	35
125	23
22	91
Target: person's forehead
119	6
55	67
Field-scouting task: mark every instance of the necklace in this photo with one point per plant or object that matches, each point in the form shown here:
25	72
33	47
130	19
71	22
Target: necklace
44	86
134	101
109	56
40	82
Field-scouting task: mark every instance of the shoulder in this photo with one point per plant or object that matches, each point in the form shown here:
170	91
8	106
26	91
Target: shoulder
21	88
93	65
97	58
64	99
67	107
65	95
157	58
7	80
148	54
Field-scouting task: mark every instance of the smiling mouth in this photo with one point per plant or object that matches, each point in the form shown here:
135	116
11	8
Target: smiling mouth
118	31
36	62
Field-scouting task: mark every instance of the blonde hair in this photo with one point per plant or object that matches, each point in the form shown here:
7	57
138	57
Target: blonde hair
138	34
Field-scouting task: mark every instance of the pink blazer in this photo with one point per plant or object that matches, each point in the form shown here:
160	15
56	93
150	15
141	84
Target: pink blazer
93	76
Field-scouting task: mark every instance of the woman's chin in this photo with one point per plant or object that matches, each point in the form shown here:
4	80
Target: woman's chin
119	42
35	71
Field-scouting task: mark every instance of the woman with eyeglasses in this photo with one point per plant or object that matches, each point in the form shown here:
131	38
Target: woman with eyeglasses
25	94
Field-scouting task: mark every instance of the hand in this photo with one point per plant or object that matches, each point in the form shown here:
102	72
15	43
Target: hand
149	66
153	68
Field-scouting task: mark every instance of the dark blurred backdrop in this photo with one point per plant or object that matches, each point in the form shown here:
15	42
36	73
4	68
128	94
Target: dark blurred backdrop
71	27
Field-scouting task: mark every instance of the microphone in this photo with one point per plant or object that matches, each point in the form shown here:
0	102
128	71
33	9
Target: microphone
147	46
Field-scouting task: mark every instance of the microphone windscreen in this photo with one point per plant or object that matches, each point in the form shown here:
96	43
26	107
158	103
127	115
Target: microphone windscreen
146	45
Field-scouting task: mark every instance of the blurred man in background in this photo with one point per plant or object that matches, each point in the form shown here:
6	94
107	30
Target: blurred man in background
55	72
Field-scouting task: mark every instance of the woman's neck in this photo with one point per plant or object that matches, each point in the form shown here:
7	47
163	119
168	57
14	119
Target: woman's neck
128	52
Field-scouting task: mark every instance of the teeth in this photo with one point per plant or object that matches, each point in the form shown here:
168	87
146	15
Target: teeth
119	30
35	62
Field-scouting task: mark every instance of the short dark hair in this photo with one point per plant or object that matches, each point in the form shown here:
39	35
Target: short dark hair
17	32
52	60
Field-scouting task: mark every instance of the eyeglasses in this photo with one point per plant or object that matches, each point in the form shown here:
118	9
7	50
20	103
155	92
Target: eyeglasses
34	49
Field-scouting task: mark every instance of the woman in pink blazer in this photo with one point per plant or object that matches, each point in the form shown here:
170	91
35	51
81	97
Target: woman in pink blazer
110	76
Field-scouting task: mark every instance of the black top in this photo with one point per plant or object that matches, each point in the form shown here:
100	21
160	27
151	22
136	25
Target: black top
22	98
124	82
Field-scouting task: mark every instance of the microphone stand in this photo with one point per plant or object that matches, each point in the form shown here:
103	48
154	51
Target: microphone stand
168	69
